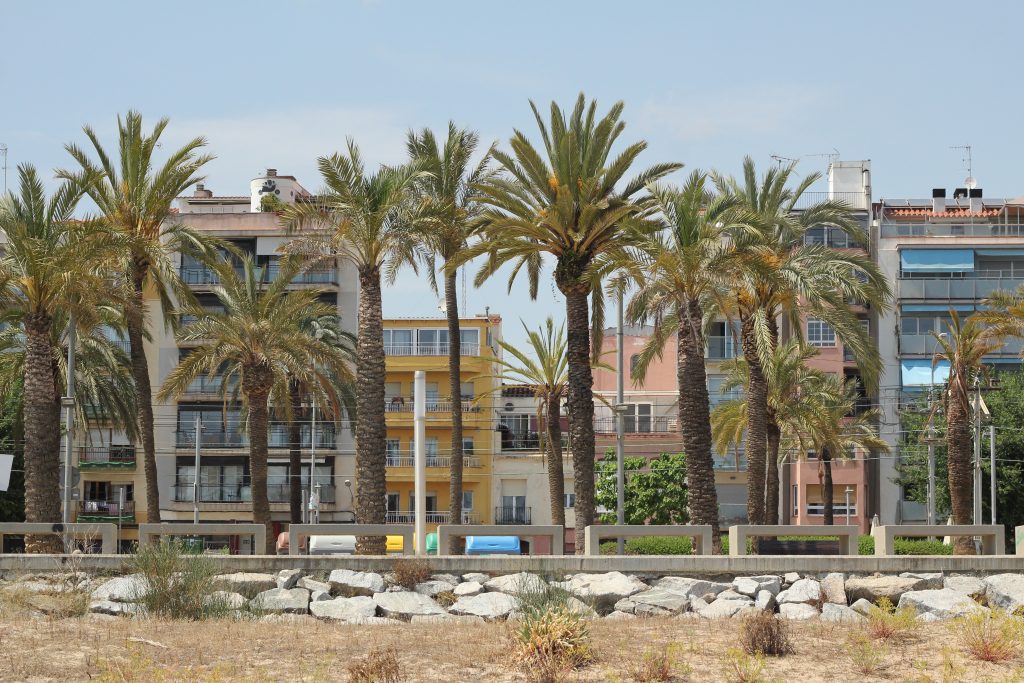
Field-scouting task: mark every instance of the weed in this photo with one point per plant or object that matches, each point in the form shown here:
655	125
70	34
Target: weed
540	596
380	666
550	642
764	634
987	638
410	572
744	668
885	621
658	666
142	668
177	585
866	655
446	599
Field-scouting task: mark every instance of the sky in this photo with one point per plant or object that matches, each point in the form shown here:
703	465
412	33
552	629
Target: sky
276	84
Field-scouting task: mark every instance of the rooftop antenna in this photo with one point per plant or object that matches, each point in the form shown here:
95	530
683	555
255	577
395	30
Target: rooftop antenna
832	156
779	159
969	182
3	151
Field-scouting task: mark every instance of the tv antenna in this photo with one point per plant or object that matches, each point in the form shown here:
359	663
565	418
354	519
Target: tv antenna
969	182
3	151
779	159
832	156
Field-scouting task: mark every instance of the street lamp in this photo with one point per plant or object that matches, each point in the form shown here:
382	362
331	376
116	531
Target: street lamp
848	491
931	438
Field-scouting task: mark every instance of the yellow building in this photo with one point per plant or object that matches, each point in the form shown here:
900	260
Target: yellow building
422	344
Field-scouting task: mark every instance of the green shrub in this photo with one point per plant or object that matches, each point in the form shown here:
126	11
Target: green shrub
178	584
652	545
551	642
906	546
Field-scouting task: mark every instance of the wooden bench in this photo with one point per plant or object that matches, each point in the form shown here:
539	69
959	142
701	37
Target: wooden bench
993	541
700	533
739	534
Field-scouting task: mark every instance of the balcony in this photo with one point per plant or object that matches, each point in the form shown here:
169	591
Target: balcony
952	229
401	404
512	515
212	439
325	436
316	276
110	457
433	517
210	385
512	442
239	495
437	349
397	460
721	347
856	200
925	345
642	424
106	511
969	286
278	437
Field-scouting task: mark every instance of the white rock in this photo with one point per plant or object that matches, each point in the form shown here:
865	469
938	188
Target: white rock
968	585
604	590
765	601
732	595
791	578
620	615
287	618
803	591
515	584
432	588
118	609
246	583
926	580
579	607
839	613
722	609
374	621
129	588
406	604
874	588
486	605
944	603
467	588
282	601
863	607
752	585
348	583
658	598
344	609
1005	591
319	596
312	584
287	578
476	576
929	618
748	611
693	588
833	588
447	578
225	599
797	611
446	619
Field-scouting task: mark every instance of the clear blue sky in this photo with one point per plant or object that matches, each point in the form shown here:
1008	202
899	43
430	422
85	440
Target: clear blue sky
276	84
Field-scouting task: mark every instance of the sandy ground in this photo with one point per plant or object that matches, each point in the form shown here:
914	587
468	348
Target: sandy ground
105	650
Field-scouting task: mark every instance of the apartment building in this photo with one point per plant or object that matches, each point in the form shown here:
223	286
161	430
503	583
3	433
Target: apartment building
950	251
412	344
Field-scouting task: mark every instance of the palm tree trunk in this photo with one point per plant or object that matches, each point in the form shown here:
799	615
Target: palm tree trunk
256	396
695	419
961	475
827	497
135	319
771	497
371	490
451	301
42	434
757	425
295	454
581	408
556	473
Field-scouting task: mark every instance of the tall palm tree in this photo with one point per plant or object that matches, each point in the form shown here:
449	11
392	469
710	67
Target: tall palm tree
679	273
449	222
780	276
50	266
368	220
571	203
134	196
964	348
258	341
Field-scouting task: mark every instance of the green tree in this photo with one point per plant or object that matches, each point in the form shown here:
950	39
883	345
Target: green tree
448	188
259	341
12	501
134	196
656	490
569	202
368	220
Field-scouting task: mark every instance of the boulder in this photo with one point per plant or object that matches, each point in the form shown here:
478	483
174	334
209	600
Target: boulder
348	583
733	595
944	603
226	599
117	609
620	615
446	619
1005	591
790	578
842	614
749	611
926	580
282	601
833	588
344	609
476	576
797	611
248	584
287	578
765	601
320	596
874	588
447	578
129	588
604	590
659	599
581	608
863	607
722	609
288	619
432	588
752	585
691	588
406	604
515	584
485	605
968	585
802	592
312	584
467	588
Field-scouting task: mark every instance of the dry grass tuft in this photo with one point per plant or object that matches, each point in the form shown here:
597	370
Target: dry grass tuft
380	666
658	665
764	634
550	643
885	622
744	668
988	638
446	599
867	656
410	572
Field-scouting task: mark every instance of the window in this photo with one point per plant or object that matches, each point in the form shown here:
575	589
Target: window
394	500
796	500
398	342
431	503
638	418
220	429
570	501
430	449
470	342
633	360
226	480
432	342
467	446
393	448
820	333
467	501
467	390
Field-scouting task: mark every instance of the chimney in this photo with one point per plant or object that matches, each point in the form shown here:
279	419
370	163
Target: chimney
975	198
201	192
271	172
939	200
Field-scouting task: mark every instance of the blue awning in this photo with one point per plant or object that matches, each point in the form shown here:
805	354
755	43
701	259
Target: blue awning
918	372
937	260
999	252
938	308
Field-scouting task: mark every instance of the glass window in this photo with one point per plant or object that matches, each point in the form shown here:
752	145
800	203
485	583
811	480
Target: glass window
468	390
394	500
431	452
432	342
908	326
638	418
467	501
570	500
470	341
467	446
398	342
820	333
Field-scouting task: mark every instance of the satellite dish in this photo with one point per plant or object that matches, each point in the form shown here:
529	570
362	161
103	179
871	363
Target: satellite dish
970	182
442	306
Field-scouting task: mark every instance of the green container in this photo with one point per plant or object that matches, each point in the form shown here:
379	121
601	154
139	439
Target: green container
432	544
194	545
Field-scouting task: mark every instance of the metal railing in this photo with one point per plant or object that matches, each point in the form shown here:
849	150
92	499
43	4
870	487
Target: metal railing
924	344
241	493
106	455
401	404
857	200
436	349
721	347
956	286
325	436
316	276
210	385
980	229
512	515
404	460
106	508
202	276
278	437
643	424
409	517
212	439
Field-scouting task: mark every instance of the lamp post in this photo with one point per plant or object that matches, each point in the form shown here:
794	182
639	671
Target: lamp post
195	480
931	438
620	431
848	491
68	403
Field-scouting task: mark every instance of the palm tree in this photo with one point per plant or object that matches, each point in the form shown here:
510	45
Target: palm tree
452	209
50	266
368	220
679	277
134	197
779	276
964	348
569	201
258	341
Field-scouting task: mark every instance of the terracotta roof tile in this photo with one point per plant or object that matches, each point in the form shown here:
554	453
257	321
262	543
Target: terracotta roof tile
948	213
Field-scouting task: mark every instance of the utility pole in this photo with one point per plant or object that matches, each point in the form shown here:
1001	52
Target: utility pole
314	499
419	398
977	451
620	431
69	419
195	482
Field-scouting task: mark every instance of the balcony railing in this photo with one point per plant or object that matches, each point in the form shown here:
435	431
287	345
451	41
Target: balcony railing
325	436
409	517
212	439
721	347
512	515
394	460
195	276
970	286
644	424
401	404
241	493
437	349
980	229
278	437
105	509
317	276
856	200
924	344
512	442
115	457
210	385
